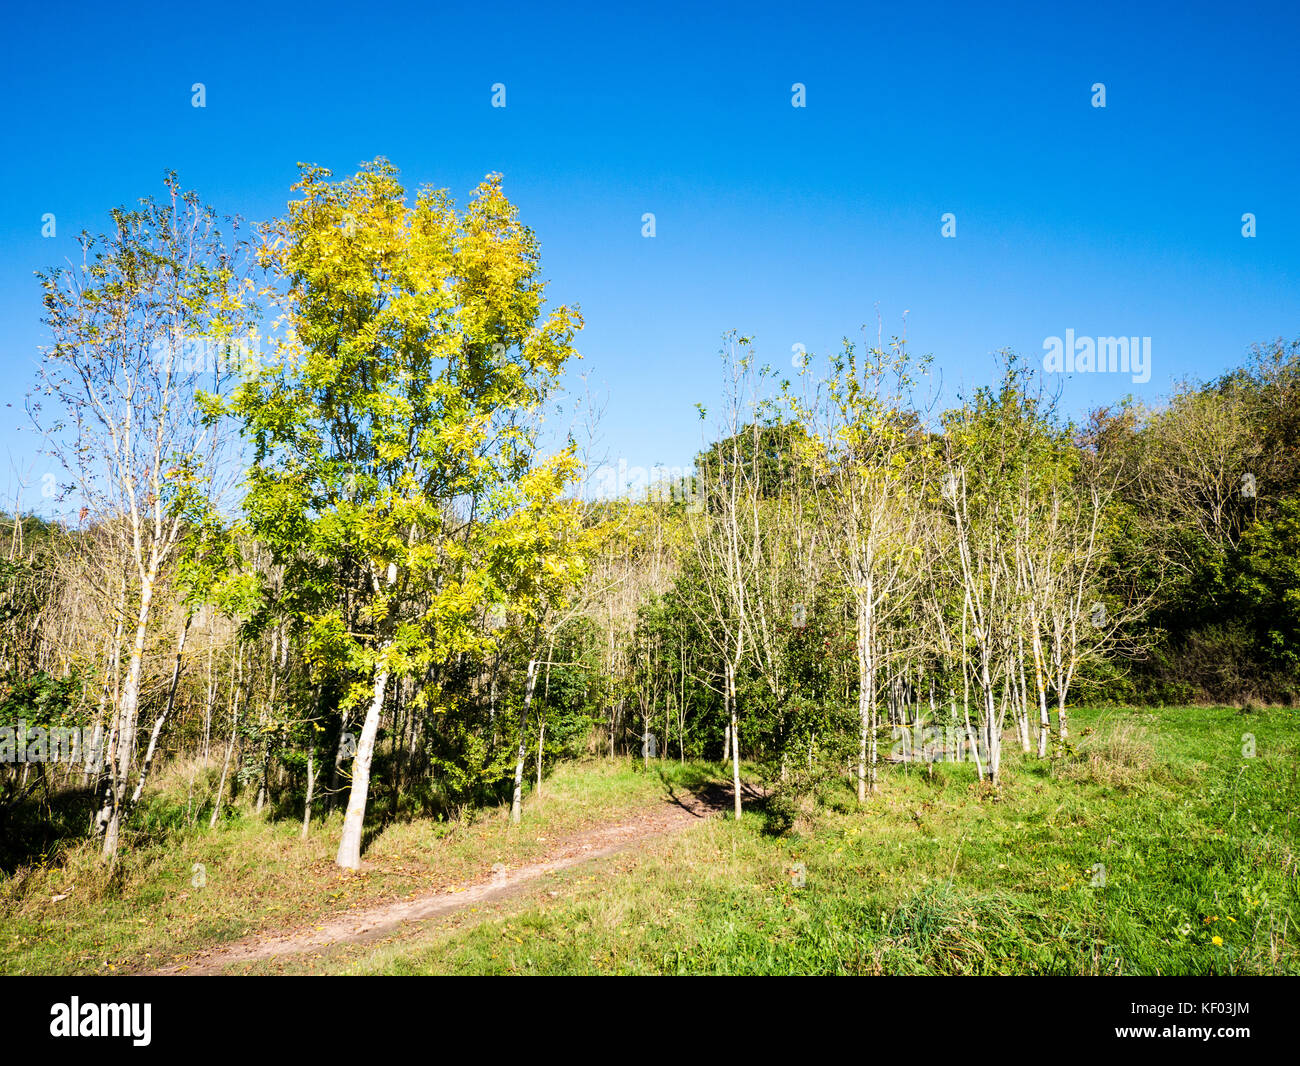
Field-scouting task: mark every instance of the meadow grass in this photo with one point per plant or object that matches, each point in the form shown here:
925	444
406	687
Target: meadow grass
1158	849
1155	847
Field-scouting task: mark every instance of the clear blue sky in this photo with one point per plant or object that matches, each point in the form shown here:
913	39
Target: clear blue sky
788	224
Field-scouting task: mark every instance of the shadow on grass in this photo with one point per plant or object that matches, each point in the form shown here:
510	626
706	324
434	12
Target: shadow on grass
710	795
40	824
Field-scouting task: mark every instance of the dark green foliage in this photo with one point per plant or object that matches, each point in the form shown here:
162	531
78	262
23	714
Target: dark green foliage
1228	609
40	700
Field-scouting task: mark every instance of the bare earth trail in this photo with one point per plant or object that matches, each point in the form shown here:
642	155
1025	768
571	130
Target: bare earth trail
679	811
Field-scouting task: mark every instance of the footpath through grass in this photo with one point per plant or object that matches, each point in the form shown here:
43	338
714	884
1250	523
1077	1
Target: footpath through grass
179	886
1162	849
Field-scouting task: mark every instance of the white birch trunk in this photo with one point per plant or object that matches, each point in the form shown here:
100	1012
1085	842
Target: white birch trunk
349	853
517	799
311	786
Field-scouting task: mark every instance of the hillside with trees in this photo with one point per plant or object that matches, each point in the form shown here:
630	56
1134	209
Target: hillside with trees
326	571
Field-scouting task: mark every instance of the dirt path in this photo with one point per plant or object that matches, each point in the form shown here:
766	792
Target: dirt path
677	812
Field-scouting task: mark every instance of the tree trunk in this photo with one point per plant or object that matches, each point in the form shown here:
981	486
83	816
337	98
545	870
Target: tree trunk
349	854
973	744
1040	687
517	801
107	700
311	785
992	729
128	714
541	748
734	734
210	696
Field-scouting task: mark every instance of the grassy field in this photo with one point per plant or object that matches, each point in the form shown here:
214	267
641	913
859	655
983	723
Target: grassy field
1159	848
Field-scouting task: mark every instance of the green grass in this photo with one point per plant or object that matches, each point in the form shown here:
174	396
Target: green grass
937	875
1130	857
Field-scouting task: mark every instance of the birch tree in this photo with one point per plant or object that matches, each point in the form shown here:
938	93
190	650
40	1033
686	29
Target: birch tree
727	537
867	459
154	312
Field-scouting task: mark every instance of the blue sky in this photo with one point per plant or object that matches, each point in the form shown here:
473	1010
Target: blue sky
789	224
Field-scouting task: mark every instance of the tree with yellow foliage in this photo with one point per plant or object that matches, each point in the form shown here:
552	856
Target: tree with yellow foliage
395	470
